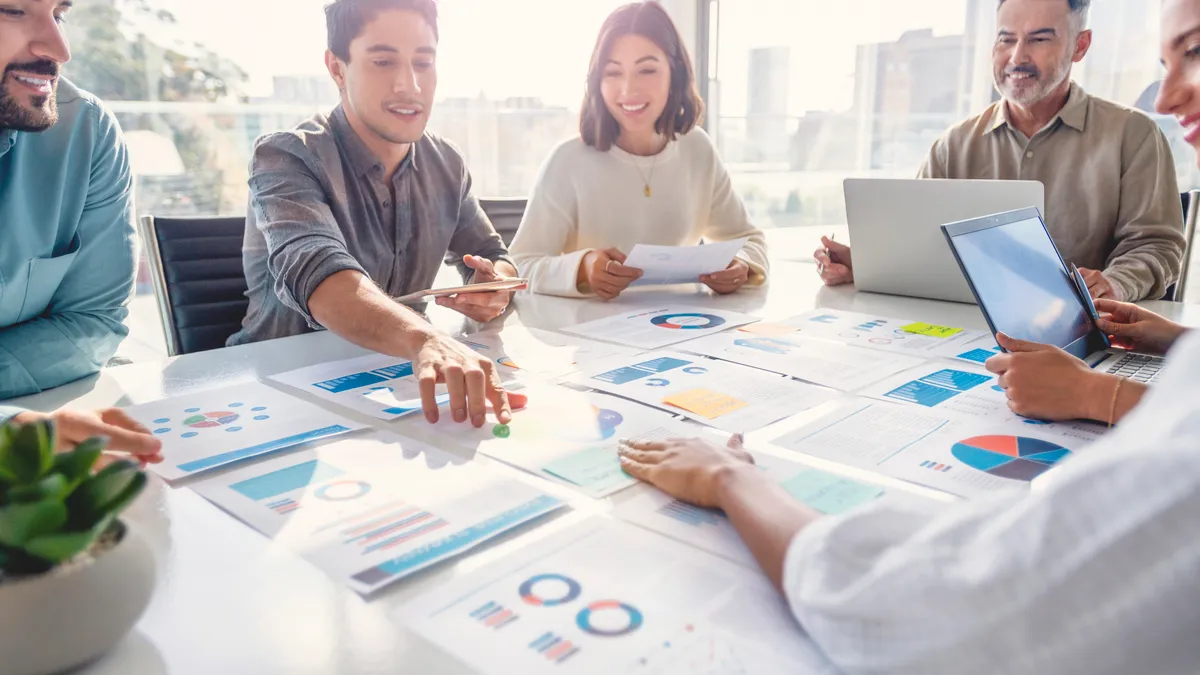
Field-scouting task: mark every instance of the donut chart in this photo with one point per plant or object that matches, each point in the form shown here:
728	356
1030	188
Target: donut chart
342	490
528	590
602	611
688	321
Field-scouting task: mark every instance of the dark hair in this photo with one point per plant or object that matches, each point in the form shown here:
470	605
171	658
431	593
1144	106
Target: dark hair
684	110
345	19
1079	11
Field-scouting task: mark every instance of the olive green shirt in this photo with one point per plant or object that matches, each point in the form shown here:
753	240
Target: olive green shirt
1112	199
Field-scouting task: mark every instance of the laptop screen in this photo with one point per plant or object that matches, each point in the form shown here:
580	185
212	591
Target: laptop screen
1021	281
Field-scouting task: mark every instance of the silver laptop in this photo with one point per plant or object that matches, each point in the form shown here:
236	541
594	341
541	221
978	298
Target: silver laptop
1028	292
895	230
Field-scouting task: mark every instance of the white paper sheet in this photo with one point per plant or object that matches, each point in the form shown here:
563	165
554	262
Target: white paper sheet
381	386
658	327
218	427
743	399
960	455
822	362
371	510
567	436
884	333
663	265
710	530
530	355
947	386
605	597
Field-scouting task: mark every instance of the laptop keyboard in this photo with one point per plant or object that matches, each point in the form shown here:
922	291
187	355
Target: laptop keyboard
1137	368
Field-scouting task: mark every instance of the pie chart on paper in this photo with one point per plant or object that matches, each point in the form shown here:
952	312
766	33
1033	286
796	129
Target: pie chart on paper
1012	457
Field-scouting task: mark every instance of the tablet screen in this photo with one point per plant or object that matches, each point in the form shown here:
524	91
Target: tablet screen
1022	283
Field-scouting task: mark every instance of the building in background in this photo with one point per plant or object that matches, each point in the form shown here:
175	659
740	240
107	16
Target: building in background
905	95
767	138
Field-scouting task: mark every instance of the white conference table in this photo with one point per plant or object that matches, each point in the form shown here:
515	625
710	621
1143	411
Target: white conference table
228	600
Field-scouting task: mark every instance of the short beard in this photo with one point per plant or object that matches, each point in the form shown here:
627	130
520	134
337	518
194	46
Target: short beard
19	118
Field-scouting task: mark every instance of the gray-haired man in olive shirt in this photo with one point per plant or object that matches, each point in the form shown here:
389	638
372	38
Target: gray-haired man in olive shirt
353	208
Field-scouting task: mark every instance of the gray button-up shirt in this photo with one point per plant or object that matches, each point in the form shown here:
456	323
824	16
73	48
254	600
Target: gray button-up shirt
319	205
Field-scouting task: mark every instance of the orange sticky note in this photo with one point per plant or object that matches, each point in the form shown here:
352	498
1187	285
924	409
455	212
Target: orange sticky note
768	329
705	403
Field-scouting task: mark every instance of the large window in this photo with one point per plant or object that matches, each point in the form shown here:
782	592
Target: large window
825	90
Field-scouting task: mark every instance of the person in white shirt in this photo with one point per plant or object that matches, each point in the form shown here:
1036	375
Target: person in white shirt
641	172
1091	572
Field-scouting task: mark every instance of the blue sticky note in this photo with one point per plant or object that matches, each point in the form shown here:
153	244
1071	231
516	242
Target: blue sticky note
595	469
830	494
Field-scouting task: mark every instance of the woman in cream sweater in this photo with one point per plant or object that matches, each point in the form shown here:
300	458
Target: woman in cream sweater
641	172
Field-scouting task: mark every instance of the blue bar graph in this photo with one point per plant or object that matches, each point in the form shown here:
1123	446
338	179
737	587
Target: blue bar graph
636	372
923	394
286	480
977	355
956	379
261	449
395	372
348	382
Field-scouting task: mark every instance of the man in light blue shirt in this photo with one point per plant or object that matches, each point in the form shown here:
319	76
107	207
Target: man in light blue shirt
66	215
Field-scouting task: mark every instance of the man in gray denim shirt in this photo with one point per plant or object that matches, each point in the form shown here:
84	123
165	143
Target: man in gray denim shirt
355	207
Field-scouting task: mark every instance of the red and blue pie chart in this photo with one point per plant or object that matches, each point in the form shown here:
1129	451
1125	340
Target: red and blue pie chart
688	321
1012	457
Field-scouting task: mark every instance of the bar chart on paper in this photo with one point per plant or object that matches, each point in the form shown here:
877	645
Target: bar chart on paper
374	510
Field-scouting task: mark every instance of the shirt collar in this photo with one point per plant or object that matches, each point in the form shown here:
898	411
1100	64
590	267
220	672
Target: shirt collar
1073	113
357	152
8	138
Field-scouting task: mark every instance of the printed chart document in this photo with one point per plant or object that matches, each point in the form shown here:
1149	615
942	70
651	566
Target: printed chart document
657	328
723	395
567	436
663	265
218	427
902	336
710	530
828	364
955	454
372	510
607	597
381	386
948	386
529	355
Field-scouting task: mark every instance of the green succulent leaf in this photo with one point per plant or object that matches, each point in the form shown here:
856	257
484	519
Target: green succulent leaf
57	548
76	464
53	487
30	454
20	523
106	492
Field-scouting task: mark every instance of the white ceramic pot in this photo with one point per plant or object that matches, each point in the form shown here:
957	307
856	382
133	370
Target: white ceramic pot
68	617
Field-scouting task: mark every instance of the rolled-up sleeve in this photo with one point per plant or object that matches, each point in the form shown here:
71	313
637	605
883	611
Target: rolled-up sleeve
474	234
304	244
1149	241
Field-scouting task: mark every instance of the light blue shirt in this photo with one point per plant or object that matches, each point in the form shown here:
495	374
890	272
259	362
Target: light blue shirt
66	247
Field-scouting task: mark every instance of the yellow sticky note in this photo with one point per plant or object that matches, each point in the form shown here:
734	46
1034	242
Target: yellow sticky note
931	330
768	329
705	403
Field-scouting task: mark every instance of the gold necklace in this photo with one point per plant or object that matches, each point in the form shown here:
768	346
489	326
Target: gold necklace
646	179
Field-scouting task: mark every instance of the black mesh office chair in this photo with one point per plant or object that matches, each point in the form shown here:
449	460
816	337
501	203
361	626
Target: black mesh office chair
1191	208
196	264
506	215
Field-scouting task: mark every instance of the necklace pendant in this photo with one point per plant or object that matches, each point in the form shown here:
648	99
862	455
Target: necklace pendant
648	191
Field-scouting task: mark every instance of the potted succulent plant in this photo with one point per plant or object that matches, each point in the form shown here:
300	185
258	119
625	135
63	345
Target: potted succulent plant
73	578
